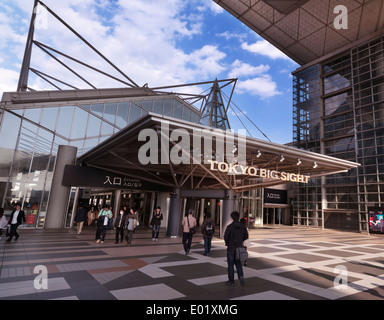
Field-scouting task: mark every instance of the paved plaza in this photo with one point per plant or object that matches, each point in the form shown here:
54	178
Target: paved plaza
285	263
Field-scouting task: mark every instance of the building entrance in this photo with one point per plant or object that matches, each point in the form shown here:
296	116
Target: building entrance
274	216
143	202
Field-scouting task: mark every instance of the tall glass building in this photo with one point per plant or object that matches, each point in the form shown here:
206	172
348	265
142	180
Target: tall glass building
339	111
338	98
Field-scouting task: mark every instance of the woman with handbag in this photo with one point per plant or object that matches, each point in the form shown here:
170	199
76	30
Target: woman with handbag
189	224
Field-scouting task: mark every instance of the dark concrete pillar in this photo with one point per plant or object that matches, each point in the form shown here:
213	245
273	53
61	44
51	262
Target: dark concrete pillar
175	214
229	205
59	196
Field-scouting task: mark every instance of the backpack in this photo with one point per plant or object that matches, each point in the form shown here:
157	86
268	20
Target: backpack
209	229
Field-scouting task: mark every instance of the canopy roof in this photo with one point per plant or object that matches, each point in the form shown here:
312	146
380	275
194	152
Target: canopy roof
119	154
305	29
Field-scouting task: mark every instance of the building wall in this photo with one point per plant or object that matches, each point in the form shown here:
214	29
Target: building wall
339	111
30	136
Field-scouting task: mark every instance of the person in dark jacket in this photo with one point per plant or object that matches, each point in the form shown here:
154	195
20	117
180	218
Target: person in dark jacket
207	229
155	223
234	236
17	218
119	225
81	215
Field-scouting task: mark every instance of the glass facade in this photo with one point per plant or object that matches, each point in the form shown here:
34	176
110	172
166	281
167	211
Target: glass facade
252	207
30	136
339	111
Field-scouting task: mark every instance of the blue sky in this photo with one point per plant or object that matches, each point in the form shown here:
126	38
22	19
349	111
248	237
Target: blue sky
160	43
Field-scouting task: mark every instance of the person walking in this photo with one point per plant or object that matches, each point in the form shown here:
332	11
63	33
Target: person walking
119	225
131	223
234	236
81	215
17	218
155	223
3	221
91	216
207	229
102	224
189	224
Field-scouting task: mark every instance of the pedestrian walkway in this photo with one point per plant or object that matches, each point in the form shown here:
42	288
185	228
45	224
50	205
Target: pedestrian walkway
285	263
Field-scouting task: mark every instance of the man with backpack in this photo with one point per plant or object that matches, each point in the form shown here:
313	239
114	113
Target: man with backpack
207	229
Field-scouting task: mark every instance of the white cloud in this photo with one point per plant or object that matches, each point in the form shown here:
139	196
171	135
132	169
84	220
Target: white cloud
263	47
231	35
240	69
263	86
8	80
140	37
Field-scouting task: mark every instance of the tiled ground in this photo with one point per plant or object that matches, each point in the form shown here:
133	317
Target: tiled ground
285	263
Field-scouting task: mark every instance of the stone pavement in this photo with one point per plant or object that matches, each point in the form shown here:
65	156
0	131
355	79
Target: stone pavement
285	263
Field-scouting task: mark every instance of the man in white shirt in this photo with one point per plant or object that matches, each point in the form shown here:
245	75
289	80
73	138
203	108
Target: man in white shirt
17	218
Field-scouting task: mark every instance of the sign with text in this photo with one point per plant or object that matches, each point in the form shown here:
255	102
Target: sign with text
77	176
275	196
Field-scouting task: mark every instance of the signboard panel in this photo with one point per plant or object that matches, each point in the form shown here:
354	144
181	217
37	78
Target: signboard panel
275	196
77	176
376	220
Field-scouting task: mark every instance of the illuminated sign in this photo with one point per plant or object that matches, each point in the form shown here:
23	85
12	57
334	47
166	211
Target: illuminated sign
238	169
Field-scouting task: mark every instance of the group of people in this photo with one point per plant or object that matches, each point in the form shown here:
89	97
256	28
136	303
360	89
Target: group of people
90	216
124	223
235	236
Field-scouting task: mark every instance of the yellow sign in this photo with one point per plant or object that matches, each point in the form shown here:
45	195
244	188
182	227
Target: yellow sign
239	169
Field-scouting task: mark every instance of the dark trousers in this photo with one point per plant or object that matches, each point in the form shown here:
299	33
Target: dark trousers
101	232
187	241
119	232
155	230
207	245
231	270
129	235
13	231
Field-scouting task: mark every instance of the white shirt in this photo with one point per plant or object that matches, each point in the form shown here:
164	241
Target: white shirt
3	222
14	219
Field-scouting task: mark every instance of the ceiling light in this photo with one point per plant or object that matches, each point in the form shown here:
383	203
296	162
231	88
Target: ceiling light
298	162
282	158
315	165
258	154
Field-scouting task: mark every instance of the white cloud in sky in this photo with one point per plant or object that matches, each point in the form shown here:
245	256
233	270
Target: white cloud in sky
241	69
141	38
253	80
262	86
263	47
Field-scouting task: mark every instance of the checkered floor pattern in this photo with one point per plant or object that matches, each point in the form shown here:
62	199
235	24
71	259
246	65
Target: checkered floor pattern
285	263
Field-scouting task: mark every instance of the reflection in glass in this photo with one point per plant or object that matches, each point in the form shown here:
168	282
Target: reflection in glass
93	127
65	120
33	114
122	114
49	117
134	114
158	106
79	123
98	109
168	107
9	131
110	112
